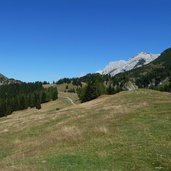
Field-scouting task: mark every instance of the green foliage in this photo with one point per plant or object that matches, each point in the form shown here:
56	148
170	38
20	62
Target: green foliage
86	79
52	93
111	90
45	82
38	106
15	97
93	90
140	63
64	80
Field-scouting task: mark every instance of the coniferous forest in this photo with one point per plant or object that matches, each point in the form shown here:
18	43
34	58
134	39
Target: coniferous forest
15	97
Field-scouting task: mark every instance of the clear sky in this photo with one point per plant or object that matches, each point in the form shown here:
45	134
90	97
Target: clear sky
51	39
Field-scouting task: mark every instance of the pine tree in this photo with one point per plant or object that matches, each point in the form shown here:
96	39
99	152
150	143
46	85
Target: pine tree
93	90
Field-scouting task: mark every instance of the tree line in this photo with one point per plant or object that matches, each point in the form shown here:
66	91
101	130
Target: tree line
14	97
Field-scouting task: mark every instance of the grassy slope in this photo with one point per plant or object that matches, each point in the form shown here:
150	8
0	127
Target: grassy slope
61	87
126	131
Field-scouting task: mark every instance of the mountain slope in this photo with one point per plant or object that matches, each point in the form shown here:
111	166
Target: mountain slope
137	61
4	80
155	75
126	131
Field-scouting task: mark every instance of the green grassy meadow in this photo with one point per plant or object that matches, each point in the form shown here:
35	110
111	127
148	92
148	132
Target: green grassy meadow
128	131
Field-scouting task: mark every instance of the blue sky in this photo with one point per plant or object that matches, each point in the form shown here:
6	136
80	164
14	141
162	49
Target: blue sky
52	39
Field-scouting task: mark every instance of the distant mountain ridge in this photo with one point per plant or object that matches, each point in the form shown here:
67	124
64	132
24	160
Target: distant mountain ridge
4	80
139	60
155	75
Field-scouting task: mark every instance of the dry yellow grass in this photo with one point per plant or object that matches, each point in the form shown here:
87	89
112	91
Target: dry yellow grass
92	136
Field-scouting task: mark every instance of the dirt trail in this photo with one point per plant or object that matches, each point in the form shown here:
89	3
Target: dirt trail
72	102
68	98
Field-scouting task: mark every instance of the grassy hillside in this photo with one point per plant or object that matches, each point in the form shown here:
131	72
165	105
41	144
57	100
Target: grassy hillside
123	132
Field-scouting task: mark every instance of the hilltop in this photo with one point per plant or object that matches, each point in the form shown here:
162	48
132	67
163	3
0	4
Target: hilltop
126	131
